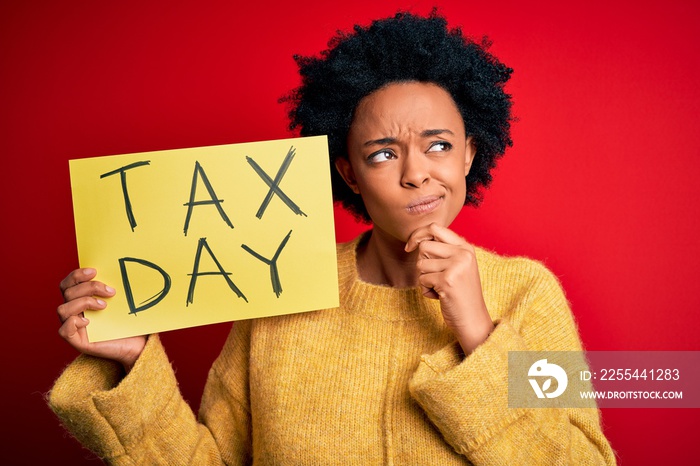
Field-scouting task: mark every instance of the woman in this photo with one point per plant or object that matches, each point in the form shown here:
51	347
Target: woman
412	367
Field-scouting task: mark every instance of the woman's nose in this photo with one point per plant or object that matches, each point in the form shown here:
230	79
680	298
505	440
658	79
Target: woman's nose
415	170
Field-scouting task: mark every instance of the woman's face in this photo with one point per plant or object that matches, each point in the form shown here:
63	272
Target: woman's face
408	157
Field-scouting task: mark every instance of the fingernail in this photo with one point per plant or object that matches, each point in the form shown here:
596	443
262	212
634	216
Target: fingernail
109	289
89	271
100	302
84	319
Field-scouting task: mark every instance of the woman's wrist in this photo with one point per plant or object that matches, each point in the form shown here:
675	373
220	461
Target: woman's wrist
129	360
471	336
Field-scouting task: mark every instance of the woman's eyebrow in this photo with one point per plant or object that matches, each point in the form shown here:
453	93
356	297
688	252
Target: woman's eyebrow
424	134
380	142
435	132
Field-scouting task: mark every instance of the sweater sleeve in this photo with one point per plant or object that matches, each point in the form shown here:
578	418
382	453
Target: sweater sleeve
467	398
141	418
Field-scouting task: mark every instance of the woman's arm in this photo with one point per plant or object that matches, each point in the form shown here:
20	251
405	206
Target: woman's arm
467	398
140	417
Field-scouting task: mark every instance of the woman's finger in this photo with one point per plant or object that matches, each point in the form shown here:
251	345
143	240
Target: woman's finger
432	265
76	277
438	250
91	288
427	284
432	232
73	331
77	306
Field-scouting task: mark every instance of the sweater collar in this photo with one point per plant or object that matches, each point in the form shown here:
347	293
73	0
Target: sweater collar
379	301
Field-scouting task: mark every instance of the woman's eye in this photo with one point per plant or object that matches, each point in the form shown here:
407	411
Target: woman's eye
381	156
440	146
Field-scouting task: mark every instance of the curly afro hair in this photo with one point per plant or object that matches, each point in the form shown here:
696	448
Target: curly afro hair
403	48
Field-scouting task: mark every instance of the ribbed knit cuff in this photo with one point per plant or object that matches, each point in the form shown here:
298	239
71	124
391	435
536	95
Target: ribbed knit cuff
467	399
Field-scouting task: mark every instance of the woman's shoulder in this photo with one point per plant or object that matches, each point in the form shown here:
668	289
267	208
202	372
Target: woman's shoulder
514	276
523	266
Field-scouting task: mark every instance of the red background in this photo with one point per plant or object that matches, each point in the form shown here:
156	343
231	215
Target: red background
601	185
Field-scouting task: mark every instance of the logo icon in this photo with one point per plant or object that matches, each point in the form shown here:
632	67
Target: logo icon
542	368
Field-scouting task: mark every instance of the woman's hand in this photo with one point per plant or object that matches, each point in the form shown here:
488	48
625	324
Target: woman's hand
82	293
448	272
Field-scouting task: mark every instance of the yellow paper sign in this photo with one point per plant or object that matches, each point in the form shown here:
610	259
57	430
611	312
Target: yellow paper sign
197	236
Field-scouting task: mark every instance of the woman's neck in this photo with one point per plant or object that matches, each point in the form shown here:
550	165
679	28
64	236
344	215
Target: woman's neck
382	260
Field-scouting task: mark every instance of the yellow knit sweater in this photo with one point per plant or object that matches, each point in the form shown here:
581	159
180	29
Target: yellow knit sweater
379	380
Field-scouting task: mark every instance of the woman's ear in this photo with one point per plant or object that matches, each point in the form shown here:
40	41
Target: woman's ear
470	152
345	169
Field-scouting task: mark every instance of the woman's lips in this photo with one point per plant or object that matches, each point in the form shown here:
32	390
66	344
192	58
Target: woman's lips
424	205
